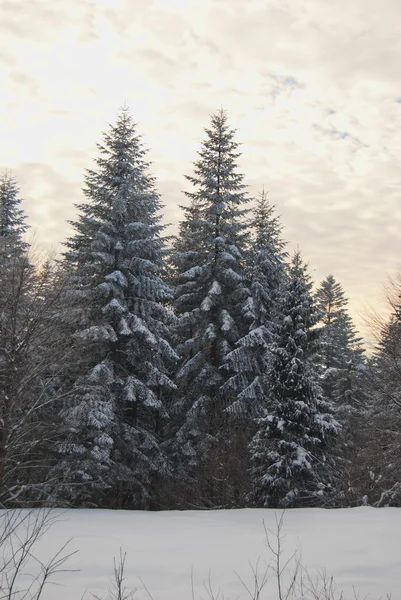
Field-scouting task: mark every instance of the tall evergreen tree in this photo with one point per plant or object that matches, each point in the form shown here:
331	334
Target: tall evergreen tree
117	403
342	351
12	218
210	297
249	362
289	451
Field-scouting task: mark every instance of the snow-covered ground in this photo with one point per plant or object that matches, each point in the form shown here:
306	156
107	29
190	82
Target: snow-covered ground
361	547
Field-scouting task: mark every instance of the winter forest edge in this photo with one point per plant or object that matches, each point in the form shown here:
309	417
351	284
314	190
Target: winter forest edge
201	371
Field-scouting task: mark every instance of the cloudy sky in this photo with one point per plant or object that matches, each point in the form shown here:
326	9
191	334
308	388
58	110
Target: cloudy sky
313	87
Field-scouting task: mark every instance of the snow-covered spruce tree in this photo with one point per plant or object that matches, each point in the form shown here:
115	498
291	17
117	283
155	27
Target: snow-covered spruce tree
249	362
342	352
116	409
289	451
210	297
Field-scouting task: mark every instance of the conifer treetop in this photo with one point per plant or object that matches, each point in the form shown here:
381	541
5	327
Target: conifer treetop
122	167
267	226
122	171
339	335
220	187
12	218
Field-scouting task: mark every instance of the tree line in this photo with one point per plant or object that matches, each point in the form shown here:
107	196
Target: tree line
204	370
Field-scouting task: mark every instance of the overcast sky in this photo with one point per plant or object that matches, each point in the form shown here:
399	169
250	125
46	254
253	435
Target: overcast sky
313	87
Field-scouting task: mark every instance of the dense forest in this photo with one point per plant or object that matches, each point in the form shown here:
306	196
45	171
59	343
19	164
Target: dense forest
205	370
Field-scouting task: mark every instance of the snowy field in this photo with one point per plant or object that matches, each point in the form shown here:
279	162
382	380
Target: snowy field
360	547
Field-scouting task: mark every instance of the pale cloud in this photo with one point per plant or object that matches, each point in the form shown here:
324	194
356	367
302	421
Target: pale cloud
313	88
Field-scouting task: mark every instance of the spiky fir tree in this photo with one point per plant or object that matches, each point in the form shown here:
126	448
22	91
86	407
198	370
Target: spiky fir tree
15	302
289	451
12	217
249	362
15	271
117	401
209	299
342	351
344	384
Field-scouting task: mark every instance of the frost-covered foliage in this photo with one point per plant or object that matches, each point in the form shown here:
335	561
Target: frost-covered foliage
342	352
211	291
289	451
188	255
117	404
249	362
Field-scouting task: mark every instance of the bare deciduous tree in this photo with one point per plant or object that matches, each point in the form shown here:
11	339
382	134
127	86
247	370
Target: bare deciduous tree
32	350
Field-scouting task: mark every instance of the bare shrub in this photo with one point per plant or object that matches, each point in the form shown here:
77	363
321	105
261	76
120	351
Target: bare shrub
20	531
33	351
